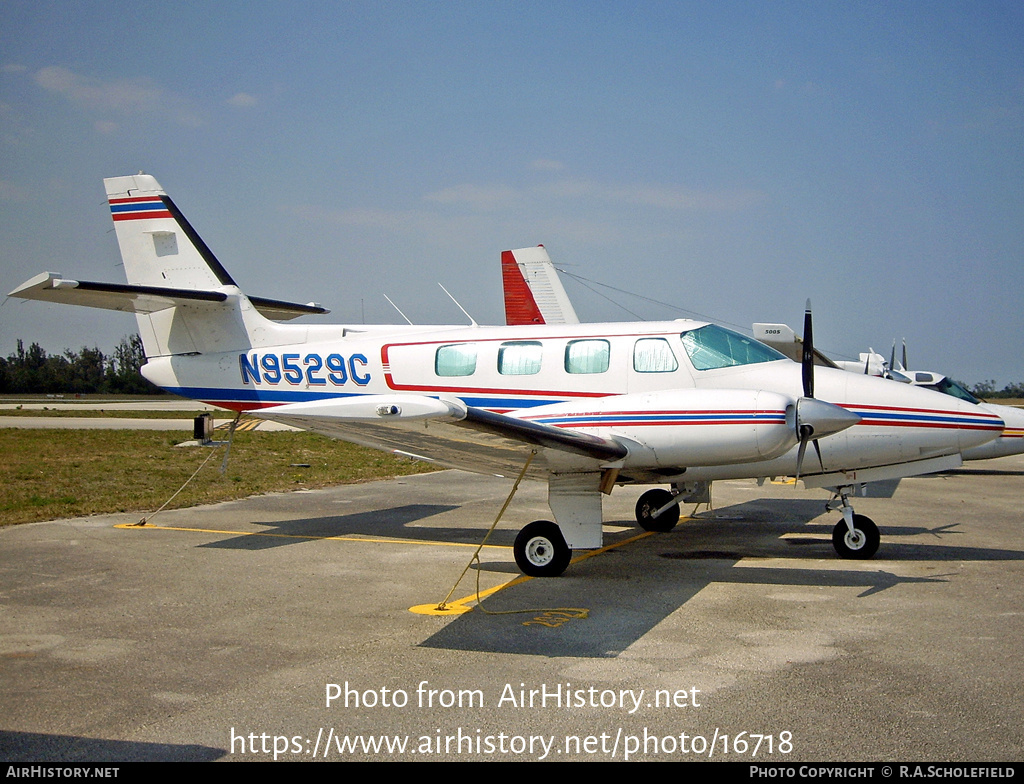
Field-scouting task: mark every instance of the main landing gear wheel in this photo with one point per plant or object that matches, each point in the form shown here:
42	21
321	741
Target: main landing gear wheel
649	503
861	544
541	551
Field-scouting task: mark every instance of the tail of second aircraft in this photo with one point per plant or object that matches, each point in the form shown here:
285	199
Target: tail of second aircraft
533	291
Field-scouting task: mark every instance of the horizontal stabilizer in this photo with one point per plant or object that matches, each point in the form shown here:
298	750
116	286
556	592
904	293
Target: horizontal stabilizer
284	311
130	298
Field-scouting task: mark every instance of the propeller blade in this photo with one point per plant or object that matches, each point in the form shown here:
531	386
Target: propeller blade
800	454
807	359
892	356
805	435
818	450
905	365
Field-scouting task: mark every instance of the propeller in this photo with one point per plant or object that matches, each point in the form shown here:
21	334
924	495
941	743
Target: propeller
815	418
807	358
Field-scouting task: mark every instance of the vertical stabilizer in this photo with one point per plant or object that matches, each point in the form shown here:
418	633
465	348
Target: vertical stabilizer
159	247
533	291
161	250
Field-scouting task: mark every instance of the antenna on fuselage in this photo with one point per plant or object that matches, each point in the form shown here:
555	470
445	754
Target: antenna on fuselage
471	319
400	313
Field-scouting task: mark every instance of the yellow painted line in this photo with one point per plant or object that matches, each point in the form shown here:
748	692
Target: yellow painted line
460	606
372	540
243	426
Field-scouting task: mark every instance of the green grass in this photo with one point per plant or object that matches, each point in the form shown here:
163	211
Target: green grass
90	398
51	474
99	412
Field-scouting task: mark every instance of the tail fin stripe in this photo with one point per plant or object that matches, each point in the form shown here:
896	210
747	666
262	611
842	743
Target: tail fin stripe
138	208
123	216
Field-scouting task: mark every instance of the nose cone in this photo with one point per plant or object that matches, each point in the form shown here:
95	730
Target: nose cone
974	425
910	422
925	417
978	426
1009	442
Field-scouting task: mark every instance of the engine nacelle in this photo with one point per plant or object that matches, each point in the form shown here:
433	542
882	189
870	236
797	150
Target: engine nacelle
684	427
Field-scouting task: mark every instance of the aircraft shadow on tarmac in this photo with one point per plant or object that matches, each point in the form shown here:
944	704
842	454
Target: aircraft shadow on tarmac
38	747
397	523
627	592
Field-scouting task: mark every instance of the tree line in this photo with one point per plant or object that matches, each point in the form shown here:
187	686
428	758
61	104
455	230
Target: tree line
985	390
33	371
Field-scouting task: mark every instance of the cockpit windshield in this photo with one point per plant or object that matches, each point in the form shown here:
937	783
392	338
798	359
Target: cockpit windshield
949	387
712	347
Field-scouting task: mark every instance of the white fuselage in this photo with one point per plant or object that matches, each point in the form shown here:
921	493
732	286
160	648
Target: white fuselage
636	382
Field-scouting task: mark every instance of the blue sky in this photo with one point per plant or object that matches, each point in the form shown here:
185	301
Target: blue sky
731	159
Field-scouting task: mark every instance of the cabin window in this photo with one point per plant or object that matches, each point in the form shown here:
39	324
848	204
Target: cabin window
587	356
712	347
519	358
653	355
456	360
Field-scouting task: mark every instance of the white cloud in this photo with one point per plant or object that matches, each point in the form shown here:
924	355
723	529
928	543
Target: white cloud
13	192
579	211
479	197
486	198
242	100
546	164
123	96
690	199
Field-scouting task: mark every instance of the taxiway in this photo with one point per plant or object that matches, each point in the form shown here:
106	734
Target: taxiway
217	632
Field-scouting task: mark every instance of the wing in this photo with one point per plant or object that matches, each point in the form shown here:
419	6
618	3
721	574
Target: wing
450	433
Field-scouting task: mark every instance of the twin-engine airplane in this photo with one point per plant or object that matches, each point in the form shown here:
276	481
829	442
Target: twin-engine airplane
676	403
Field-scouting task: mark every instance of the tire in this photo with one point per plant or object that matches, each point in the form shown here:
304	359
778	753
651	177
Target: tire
652	501
541	551
862	544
